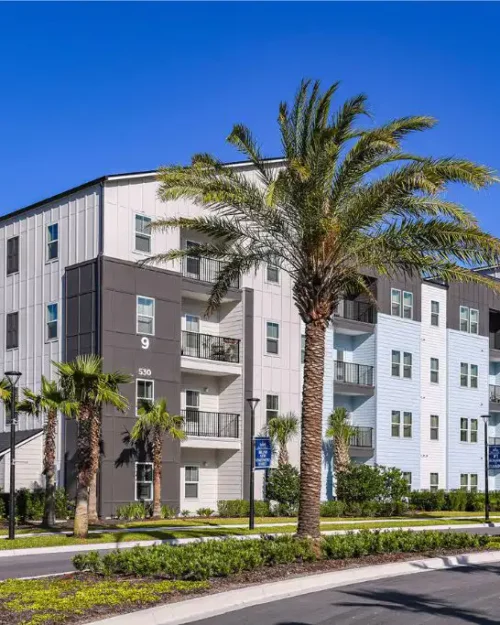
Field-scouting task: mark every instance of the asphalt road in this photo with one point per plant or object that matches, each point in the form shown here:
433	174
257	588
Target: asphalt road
34	565
468	595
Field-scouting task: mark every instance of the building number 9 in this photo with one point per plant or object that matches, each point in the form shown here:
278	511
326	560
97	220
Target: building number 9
144	342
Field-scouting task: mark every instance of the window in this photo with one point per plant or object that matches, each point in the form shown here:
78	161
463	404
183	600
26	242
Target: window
395	302
473	430
192	422
145	315
192	323
464	374
473	376
396	364
51	322
434	313
144	392
12	255
434	482
407	478
272	406
142	234
272	337
12	327
193	263
302	348
407	424
464	430
406	310
434	371
143	481
469	320
191	482
407	305
434	427
52	242
272	273
469	375
464	481
396	423
473	482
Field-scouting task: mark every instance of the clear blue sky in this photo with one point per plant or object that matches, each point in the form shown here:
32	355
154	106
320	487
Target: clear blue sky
95	88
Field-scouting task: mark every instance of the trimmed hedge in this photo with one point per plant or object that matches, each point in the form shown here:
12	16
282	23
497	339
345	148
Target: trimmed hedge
239	508
453	500
221	558
30	504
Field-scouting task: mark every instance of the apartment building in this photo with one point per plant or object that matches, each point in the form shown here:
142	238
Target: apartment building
415	374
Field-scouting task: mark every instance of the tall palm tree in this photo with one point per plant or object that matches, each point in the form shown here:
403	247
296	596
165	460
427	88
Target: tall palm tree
342	199
281	430
49	401
84	382
155	421
341	431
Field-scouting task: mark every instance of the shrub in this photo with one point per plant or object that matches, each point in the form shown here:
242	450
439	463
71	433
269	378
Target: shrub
185	513
332	508
134	511
64	508
239	508
167	512
283	486
456	500
205	512
262	508
360	483
2	508
201	561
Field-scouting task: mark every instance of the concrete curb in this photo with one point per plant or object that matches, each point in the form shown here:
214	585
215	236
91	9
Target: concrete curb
232	600
12	553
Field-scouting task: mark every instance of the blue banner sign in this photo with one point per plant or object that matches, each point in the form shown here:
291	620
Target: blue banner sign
494	457
263	452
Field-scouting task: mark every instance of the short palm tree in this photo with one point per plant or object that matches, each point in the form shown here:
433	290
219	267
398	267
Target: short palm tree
341	431
281	430
4	391
84	382
342	199
155	421
48	401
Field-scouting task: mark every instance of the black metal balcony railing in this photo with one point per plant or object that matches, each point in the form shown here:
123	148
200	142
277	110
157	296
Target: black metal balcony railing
352	373
494	393
356	311
204	269
210	347
363	437
211	424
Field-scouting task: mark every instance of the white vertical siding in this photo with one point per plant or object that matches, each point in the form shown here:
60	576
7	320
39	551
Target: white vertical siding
230	482
206	460
29	465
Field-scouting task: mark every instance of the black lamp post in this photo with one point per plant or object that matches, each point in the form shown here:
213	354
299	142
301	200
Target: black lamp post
13	378
486	418
252	402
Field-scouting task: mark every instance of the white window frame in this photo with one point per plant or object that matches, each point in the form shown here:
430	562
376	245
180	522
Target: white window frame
434	428
152	299
196	466
396	423
402	364
473	378
464	430
433	487
143	482
473	431
276	340
197	318
302	348
434	369
408	477
270	266
474	323
275	411
466	480
50	242
405	306
473	487
56	321
395	363
407	366
464	375
465	316
435	313
142	234
407	425
191	407
398	304
137	380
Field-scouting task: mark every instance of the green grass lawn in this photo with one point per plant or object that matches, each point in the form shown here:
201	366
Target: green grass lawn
106	537
39	601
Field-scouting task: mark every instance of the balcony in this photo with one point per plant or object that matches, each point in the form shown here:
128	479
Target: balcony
206	350
352	379
361	443
204	270
494	398
215	430
354	317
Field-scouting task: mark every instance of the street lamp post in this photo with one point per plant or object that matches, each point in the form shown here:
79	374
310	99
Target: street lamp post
13	378
252	402
485	419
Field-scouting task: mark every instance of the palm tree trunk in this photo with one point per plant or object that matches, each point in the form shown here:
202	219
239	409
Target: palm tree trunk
157	463
95	442
342	458
49	459
93	516
312	427
283	455
84	468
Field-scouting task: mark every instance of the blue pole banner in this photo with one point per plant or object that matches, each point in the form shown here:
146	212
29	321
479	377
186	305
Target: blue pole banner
263	452
494	457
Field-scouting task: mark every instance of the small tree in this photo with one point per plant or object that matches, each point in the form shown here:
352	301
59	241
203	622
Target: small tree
283	486
282	429
48	401
155	421
341	431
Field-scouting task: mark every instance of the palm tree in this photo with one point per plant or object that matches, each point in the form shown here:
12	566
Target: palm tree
5	391
281	430
341	200
84	382
155	421
341	431
49	401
